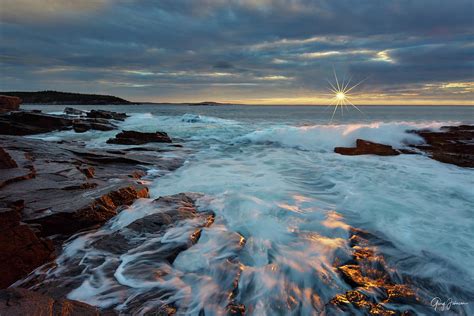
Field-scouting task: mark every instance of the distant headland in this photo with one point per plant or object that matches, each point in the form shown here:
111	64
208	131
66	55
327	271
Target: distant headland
71	98
65	98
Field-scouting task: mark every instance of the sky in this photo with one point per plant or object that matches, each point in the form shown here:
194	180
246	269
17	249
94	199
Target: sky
247	51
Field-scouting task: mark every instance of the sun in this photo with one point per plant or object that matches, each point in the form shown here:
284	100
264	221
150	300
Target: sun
340	92
340	95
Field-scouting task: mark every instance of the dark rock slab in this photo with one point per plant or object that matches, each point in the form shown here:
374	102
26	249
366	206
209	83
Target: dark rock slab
452	144
35	122
364	147
173	210
107	115
94	213
84	125
18	301
28	123
73	111
139	138
9	103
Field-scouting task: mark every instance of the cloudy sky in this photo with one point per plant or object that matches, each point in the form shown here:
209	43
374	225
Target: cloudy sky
248	51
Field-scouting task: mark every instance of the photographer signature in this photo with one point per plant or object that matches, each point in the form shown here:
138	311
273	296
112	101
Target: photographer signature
440	306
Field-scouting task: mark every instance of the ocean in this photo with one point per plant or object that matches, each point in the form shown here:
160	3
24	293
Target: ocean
270	174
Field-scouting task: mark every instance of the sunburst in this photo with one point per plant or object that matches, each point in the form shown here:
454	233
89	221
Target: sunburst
341	92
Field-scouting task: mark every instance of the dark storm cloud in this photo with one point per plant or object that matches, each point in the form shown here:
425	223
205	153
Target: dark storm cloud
146	49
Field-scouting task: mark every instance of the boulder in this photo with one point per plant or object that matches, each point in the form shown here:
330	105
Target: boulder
139	138
364	147
18	301
8	103
107	115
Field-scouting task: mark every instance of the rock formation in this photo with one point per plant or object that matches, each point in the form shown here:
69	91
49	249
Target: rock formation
374	290
364	147
452	144
35	122
138	138
21	249
8	103
63	188
17	301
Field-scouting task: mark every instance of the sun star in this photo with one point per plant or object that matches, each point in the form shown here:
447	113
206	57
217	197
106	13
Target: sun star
341	94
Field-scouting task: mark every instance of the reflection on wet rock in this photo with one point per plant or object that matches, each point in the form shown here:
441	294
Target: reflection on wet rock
375	290
128	265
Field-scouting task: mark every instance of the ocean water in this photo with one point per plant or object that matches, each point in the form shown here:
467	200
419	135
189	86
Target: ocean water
269	174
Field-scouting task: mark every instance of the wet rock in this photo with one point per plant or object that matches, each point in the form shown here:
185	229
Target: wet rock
73	111
17	301
9	103
28	123
22	170
139	138
375	291
21	250
173	210
154	241
94	214
63	193
84	125
236	309
452	144
89	172
67	188
35	122
6	161
107	115
364	147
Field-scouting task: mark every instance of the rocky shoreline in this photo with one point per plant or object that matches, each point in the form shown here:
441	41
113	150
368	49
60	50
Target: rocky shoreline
452	145
50	191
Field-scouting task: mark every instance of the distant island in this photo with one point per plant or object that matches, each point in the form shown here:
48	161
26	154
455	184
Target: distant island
208	103
66	98
204	103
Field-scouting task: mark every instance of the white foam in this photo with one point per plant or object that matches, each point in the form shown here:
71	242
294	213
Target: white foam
326	137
